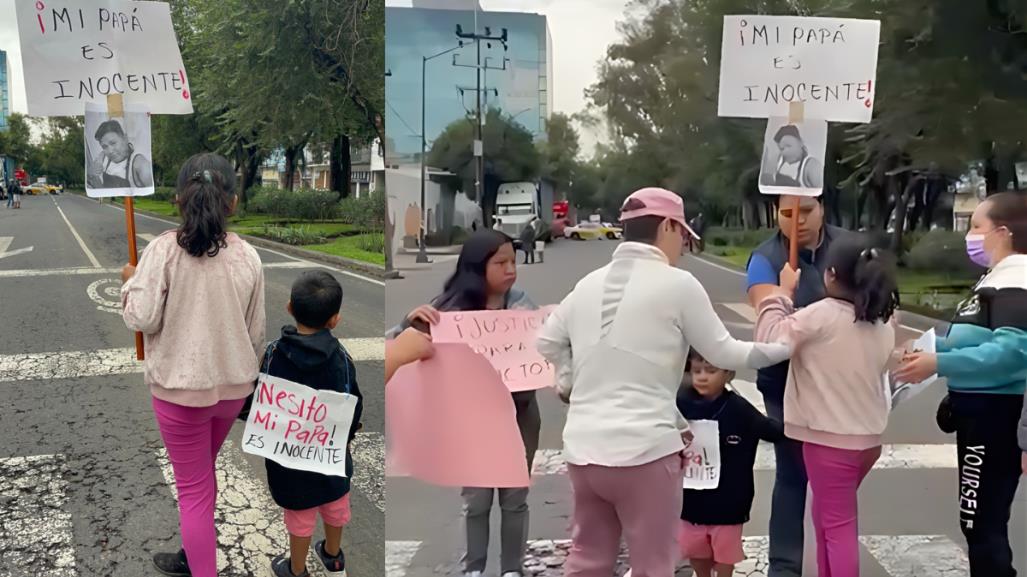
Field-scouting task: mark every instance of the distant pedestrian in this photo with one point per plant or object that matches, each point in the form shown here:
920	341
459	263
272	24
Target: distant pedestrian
15	195
198	298
528	235
484	280
699	228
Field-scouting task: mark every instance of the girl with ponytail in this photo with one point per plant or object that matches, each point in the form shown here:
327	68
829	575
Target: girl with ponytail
198	298
835	402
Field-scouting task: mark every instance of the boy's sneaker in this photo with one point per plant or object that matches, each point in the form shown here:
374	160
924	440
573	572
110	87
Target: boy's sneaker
173	564
334	566
281	566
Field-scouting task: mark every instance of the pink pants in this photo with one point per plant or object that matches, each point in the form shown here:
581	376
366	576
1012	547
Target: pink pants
301	523
193	437
643	502
834	478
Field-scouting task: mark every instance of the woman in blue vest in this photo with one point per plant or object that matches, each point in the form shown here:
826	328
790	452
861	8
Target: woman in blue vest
984	358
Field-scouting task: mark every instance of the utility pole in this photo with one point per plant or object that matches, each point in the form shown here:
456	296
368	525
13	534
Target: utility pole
479	184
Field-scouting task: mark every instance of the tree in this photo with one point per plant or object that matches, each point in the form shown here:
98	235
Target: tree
16	142
61	155
559	152
510	156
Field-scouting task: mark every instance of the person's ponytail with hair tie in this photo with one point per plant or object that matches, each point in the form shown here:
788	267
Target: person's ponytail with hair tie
866	276
206	189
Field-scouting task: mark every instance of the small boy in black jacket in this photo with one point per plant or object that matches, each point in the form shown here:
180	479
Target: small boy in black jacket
712	519
310	355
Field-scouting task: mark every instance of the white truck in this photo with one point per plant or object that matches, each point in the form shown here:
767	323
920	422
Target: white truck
517	203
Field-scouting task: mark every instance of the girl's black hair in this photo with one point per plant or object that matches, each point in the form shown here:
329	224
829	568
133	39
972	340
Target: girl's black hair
466	289
867	277
206	186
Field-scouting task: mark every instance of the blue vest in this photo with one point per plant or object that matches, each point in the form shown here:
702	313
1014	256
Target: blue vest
771	380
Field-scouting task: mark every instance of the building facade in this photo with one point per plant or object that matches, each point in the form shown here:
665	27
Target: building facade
518	80
5	92
367	170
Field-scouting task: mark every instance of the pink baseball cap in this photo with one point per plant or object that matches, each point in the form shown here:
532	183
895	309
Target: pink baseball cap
655	202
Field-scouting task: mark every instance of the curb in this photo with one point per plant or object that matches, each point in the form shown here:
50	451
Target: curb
373	270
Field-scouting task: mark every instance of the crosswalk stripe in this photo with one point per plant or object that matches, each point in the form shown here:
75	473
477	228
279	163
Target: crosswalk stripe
893	456
36	531
73	364
743	310
100	271
368	451
398	557
899	555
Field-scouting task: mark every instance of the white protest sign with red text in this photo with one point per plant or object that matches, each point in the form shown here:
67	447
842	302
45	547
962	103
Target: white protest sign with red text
79	51
506	339
299	427
829	64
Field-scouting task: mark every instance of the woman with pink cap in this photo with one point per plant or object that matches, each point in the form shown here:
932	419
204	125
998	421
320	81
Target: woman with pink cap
620	341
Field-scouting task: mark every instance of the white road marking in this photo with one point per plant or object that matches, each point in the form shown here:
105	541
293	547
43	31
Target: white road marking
36	532
398	556
81	271
309	264
918	555
146	236
75	364
741	309
899	555
248	522
893	456
5	243
368	451
16	252
81	243
111	290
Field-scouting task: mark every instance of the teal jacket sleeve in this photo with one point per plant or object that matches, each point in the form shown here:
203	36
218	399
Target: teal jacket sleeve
1004	354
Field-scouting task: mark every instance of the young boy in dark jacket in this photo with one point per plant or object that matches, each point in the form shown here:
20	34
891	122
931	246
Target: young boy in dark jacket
712	519
310	355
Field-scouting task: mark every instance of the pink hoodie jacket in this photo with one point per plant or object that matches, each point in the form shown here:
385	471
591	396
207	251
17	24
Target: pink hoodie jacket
835	394
203	320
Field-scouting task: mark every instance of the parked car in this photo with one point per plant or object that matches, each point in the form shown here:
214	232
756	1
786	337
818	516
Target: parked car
585	231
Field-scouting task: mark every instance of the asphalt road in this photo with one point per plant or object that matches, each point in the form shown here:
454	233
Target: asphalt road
85	488
908	516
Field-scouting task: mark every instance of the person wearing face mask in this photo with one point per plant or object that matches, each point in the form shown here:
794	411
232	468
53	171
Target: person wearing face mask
984	358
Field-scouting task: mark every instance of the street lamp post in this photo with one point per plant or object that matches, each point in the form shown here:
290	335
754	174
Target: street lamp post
422	253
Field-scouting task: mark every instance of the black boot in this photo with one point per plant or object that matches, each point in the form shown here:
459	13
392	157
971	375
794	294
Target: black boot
173	564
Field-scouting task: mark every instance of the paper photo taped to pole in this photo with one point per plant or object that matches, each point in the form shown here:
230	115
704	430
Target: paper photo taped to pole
830	64
78	51
118	152
793	157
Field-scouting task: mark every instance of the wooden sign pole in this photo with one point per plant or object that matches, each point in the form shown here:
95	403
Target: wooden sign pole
116	109
796	113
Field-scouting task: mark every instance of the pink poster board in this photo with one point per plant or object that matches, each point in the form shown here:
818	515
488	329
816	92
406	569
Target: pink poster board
451	422
506	339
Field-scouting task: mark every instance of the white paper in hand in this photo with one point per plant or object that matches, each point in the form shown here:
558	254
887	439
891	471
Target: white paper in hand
901	392
702	456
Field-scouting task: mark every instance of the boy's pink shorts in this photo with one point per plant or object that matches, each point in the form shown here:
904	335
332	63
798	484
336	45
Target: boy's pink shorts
301	523
721	543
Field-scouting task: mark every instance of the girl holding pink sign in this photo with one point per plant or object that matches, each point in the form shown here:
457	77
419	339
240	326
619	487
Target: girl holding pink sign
485	274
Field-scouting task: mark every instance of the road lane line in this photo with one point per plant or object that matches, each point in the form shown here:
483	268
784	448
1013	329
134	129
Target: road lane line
81	243
917	555
16	252
308	263
75	364
5	243
36	533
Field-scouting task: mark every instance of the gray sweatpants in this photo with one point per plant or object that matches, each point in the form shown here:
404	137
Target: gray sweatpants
513	503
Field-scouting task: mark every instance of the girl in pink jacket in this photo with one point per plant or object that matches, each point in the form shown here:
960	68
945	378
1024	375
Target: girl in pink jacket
836	402
198	298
